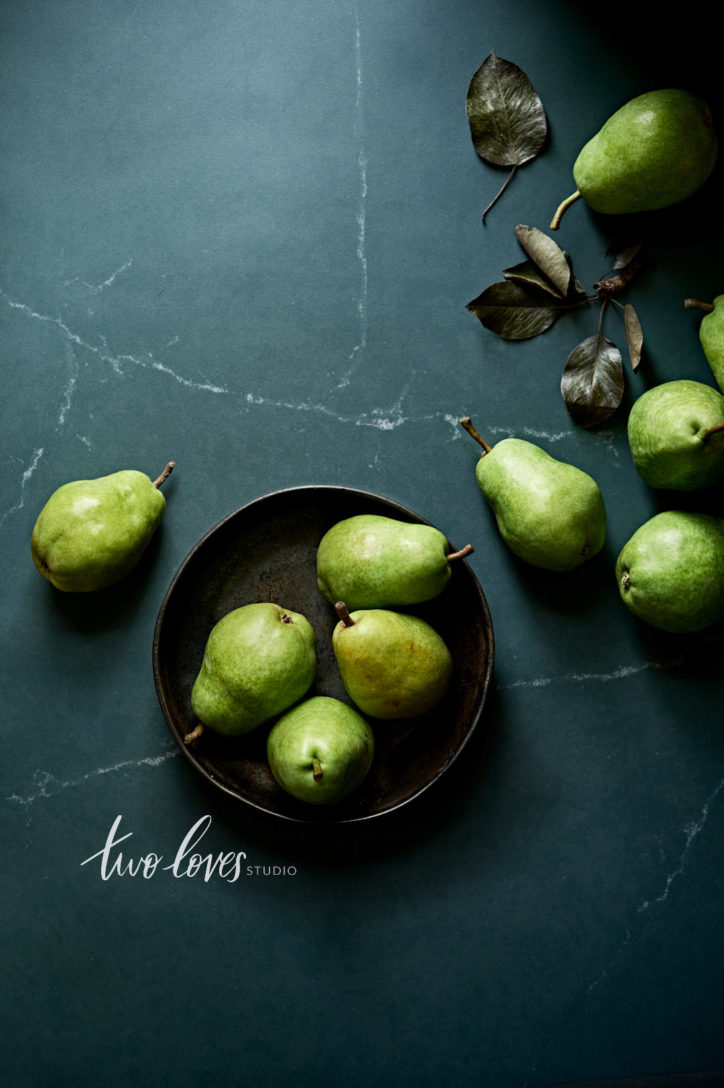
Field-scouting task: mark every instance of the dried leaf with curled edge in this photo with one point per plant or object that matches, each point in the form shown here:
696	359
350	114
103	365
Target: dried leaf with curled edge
514	313
592	382
634	335
528	274
553	262
508	124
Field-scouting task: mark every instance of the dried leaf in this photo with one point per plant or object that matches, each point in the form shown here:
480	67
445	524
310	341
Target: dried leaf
634	335
513	313
624	256
508	124
550	258
529	274
592	382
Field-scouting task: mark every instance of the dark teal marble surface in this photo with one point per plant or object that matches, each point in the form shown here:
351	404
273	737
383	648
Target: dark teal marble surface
242	235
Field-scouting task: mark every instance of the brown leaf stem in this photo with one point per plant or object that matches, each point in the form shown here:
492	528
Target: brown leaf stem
698	304
317	772
609	286
716	429
500	191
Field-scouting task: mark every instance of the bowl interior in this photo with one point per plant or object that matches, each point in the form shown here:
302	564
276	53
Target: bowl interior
266	551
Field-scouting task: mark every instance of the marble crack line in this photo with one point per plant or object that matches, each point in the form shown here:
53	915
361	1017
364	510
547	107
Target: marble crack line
383	419
621	673
27	473
361	249
96	288
46	785
691	832
116	362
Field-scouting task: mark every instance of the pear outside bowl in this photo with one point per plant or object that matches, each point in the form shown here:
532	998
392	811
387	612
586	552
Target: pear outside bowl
266	551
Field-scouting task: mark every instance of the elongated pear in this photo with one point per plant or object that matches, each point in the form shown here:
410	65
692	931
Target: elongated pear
676	435
711	334
656	150
550	513
91	533
259	659
392	665
374	561
671	572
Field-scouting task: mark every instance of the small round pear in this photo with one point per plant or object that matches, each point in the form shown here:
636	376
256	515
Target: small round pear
671	572
676	435
321	750
91	533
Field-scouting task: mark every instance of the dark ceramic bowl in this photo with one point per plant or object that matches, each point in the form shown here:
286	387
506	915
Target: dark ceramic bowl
266	551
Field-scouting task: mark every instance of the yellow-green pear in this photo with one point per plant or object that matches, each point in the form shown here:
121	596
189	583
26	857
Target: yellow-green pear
259	659
374	561
550	513
671	572
654	151
676	435
392	665
321	750
711	334
91	533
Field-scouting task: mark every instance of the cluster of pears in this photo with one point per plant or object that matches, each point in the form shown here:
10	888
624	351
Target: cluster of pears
671	571
259	661
91	533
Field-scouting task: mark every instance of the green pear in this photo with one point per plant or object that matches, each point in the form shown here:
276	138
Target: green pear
321	750
711	334
671	572
549	513
656	150
259	659
372	561
676	435
392	665
91	533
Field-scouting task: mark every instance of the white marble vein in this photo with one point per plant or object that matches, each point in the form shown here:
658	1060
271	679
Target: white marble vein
621	672
96	288
27	473
47	785
361	249
691	832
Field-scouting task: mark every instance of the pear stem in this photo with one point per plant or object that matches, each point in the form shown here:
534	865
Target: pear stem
467	550
563	207
165	474
343	613
317	772
194	734
466	422
500	191
697	304
716	429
